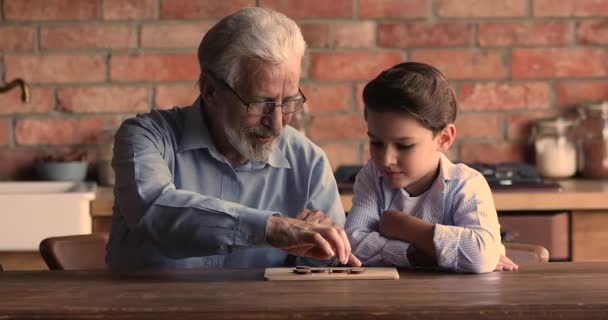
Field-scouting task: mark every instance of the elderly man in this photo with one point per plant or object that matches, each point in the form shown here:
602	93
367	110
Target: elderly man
225	182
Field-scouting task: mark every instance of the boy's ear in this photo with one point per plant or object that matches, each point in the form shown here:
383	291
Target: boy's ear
446	137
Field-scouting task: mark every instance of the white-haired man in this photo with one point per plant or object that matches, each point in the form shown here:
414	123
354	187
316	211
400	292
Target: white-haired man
225	182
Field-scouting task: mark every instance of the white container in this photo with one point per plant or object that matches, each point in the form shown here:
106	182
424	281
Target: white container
555	148
32	211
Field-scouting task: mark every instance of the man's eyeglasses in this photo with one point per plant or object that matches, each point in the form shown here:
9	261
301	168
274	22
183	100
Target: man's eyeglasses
260	108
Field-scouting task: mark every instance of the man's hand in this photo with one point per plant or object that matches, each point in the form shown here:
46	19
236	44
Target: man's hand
310	239
316	216
506	264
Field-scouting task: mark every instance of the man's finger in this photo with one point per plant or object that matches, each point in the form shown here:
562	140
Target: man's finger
335	240
347	249
354	261
324	245
303	215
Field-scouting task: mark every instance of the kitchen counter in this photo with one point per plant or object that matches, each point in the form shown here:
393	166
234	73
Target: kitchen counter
576	194
585	203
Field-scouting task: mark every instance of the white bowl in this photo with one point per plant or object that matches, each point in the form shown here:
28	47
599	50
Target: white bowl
63	171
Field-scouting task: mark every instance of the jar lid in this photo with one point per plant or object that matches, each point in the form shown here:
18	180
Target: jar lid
557	123
600	109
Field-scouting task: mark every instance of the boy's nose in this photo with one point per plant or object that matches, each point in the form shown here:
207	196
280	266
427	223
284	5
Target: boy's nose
389	157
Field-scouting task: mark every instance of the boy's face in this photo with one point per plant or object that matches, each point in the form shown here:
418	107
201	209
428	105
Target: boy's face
406	152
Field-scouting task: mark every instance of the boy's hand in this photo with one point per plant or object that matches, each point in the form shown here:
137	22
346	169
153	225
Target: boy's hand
505	264
390	223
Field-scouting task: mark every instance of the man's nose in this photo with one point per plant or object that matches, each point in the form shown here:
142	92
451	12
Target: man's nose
274	119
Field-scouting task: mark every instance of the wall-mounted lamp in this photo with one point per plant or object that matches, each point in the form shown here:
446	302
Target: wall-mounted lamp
25	90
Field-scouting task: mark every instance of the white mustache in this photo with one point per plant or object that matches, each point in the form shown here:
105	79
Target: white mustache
262	131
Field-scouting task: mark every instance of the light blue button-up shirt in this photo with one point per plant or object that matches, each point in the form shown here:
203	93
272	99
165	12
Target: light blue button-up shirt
180	204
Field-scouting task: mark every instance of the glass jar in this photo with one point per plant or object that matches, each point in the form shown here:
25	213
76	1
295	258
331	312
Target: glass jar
593	140
555	148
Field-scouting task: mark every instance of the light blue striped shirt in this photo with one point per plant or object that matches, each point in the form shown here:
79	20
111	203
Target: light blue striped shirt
459	203
180	204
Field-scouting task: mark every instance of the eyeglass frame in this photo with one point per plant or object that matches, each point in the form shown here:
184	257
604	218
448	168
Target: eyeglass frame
265	111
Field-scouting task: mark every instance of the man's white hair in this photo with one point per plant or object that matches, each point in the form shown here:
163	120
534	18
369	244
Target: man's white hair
252	34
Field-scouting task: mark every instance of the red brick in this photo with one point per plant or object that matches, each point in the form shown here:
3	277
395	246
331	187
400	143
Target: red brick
359	96
481	8
523	33
342	126
88	36
504	96
519	125
75	68
355	34
493	152
311	8
572	93
328	96
168	96
463	63
316	35
58	131
174	35
351	65
393	8
5	127
47	10
365	154
42	101
570	8
478	126
341	154
592	32
128	9
154	67
563	62
16	38
192	9
126	99
407	35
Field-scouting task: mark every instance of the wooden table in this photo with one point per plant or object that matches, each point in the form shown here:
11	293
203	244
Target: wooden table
543	291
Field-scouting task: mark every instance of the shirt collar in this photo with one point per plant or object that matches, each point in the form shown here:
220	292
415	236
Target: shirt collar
196	136
448	170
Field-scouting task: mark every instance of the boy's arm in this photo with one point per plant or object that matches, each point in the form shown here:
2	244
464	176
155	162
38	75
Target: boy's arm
363	221
473	243
400	226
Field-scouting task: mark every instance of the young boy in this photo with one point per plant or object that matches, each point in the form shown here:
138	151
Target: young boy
411	205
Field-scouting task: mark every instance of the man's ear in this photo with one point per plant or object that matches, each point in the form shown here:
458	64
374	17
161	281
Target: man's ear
206	87
446	137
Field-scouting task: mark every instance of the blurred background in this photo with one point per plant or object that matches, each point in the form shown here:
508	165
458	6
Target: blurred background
89	64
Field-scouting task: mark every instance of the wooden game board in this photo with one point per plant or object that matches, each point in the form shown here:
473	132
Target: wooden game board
282	274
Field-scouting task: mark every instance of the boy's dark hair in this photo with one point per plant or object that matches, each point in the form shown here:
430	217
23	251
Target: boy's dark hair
416	88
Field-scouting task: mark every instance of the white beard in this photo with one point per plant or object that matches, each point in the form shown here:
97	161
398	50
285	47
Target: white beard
239	139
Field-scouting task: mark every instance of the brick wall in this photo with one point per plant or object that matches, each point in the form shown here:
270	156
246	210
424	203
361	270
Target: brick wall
91	63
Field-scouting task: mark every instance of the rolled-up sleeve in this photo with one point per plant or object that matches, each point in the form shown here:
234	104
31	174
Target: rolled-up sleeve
362	224
473	244
181	223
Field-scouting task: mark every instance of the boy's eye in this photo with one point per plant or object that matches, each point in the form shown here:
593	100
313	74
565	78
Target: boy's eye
375	144
405	146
